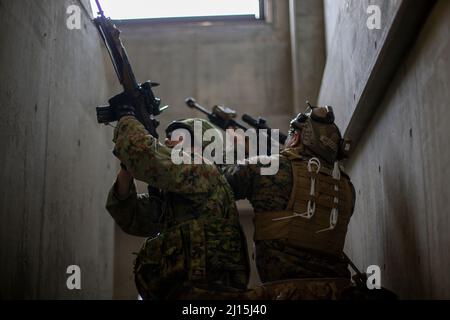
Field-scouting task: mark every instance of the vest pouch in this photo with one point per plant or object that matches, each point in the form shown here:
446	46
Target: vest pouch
160	266
172	258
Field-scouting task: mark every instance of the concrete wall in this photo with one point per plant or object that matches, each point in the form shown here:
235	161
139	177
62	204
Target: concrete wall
353	53
308	50
362	61
56	165
331	16
400	167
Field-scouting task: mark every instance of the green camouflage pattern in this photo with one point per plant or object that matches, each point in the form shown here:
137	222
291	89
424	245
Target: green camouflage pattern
206	125
319	134
301	289
321	139
274	259
295	289
292	289
193	226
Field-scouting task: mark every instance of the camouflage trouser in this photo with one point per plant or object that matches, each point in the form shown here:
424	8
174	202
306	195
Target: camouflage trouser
181	289
187	255
300	289
275	261
186	291
296	289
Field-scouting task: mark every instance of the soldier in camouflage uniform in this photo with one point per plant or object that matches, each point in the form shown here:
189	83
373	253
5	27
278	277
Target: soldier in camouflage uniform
302	212
195	241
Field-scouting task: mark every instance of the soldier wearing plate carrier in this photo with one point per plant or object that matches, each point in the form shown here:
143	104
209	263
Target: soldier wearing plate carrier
301	213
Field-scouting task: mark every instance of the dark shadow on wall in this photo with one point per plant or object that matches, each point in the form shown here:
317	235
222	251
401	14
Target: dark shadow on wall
401	242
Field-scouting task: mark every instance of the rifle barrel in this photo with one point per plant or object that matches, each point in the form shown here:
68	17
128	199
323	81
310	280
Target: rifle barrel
258	124
240	126
191	103
100	10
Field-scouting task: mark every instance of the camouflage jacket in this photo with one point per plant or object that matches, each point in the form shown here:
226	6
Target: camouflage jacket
274	259
193	224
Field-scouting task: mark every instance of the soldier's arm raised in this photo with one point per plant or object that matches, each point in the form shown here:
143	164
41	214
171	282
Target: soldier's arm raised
150	161
123	184
138	215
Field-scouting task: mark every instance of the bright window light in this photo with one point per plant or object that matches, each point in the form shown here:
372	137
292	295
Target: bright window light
148	9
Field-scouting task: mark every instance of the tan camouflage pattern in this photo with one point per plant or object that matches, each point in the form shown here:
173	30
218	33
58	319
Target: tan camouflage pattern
275	260
292	289
193	226
322	140
206	125
301	289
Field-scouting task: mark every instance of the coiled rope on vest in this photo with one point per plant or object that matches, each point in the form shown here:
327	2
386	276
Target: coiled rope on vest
311	207
334	212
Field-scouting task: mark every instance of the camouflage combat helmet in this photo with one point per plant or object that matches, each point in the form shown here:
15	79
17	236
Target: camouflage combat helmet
319	133
188	124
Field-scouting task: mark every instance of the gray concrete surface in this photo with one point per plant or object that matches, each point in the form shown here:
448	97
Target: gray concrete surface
308	50
55	159
352	53
362	61
400	167
331	17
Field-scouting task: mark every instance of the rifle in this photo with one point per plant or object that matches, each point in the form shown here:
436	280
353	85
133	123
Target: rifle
141	96
222	117
260	124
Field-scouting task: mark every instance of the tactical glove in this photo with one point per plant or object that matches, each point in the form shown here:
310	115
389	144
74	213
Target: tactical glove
121	105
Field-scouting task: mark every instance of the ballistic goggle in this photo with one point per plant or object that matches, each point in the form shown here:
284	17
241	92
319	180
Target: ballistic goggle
322	115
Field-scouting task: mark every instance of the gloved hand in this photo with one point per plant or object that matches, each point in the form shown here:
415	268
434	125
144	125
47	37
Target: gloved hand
121	104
